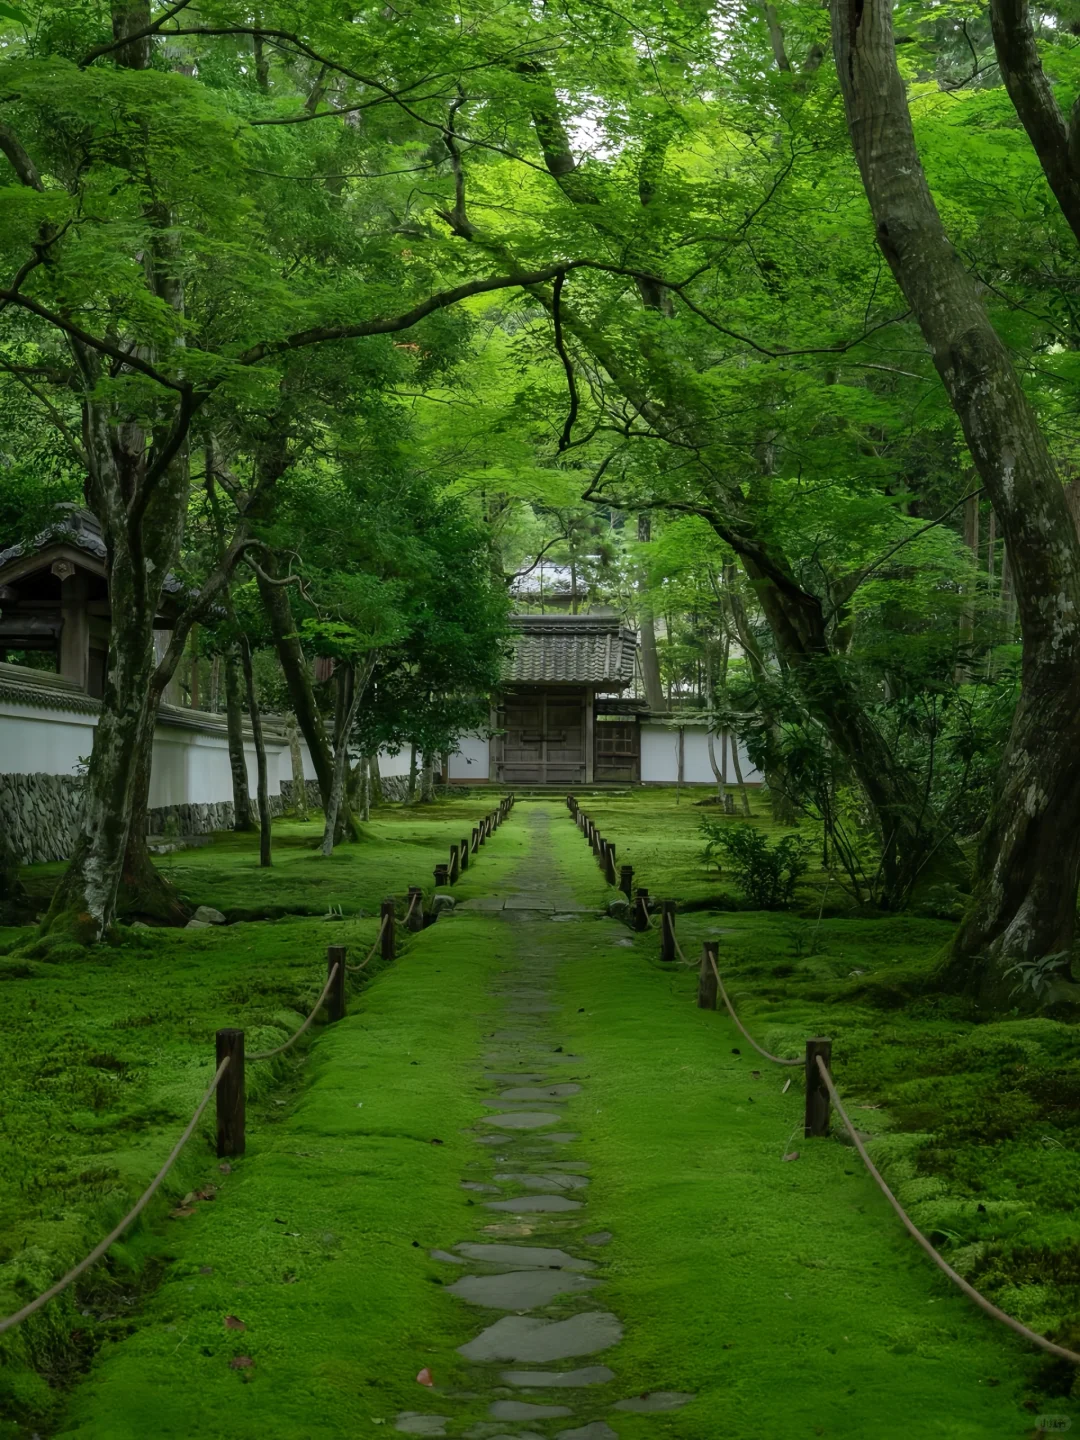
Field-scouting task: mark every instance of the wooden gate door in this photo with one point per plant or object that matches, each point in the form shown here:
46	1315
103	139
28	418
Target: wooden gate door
544	738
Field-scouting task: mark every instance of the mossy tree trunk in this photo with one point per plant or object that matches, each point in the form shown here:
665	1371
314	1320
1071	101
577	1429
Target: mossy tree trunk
1024	905
262	785
234	724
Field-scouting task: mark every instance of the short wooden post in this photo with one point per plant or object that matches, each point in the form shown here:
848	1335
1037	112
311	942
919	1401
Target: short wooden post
335	996
641	908
416	908
609	863
487	827
626	880
230	1093
463	848
817	1096
475	839
706	985
387	944
441	874
667	930
454	867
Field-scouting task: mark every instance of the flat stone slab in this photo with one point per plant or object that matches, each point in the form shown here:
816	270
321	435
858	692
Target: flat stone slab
523	1119
519	1410
479	1189
528	902
550	1183
598	1430
510	1079
526	1203
543	1257
482	902
602	1237
562	1137
412	1422
522	1338
513	1106
519	1289
558	1379
655	1401
446	1257
540	1092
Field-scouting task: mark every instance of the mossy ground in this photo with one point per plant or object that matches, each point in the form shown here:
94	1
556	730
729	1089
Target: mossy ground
782	1293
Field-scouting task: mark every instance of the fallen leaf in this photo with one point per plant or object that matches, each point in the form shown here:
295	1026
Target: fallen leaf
241	1362
792	1155
755	1074
207	1193
182	1212
736	1052
425	1377
233	1322
787	1086
438	1142
226	1168
206	1269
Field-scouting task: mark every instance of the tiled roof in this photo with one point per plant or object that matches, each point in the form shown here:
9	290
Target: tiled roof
572	650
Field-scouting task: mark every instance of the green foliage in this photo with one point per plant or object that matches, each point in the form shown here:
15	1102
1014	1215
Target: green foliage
766	874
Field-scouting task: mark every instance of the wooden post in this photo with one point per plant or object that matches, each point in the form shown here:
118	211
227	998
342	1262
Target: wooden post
335	996
416	912
481	834
626	880
387	945
609	863
463	847
817	1097
667	930
641	908
455	865
230	1093
441	880
475	839
487	827
706	985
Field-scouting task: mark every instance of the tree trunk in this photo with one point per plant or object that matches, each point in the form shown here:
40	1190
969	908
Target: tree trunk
375	779
351	691
1024	904
718	774
299	783
967	614
234	724
744	794
412	775
650	658
262	788
144	893
427	778
298	679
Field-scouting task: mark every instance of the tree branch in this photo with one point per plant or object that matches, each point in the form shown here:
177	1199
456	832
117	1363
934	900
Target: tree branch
17	154
152	29
560	346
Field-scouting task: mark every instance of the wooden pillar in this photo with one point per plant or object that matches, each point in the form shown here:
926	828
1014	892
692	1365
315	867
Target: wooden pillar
463	848
75	629
475	839
609	864
455	864
817	1097
335	996
416	910
590	735
441	874
641	908
667	930
626	880
387	943
230	1093
706	985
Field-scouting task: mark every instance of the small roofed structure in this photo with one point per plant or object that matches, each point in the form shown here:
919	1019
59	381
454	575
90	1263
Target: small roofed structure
54	596
564	676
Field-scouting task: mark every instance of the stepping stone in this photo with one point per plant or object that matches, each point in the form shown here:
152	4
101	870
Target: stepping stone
523	1119
484	1432
511	1079
482	902
562	1137
550	1183
654	1401
536	1092
413	1422
514	1106
447	1258
558	1379
528	902
526	1203
519	1289
598	1430
519	1410
602	1237
522	1338
478	1188
624	942
522	1255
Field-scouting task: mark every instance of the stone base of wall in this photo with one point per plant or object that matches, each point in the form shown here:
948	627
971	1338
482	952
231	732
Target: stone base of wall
40	813
314	799
395	788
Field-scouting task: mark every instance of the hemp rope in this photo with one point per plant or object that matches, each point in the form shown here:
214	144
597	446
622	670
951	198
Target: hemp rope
269	1054
371	952
776	1059
921	1240
136	1210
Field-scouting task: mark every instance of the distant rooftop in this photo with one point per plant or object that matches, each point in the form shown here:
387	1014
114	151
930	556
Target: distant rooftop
572	650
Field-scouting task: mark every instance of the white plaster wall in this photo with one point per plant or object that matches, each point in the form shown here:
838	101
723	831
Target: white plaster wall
39	741
660	757
391	765
470	760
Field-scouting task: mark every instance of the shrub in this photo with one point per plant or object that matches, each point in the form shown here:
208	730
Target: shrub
766	875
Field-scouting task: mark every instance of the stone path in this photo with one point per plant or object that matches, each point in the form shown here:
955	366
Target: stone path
532	1255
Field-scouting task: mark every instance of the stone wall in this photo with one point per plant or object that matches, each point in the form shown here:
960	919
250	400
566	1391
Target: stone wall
40	813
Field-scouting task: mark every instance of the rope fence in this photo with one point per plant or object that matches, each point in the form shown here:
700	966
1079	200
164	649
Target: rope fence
228	1082
821	1093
